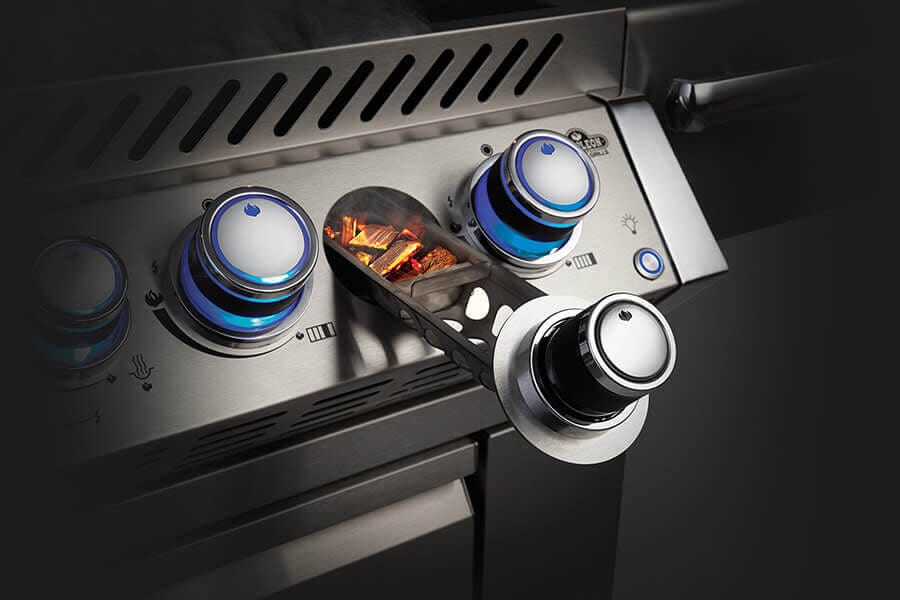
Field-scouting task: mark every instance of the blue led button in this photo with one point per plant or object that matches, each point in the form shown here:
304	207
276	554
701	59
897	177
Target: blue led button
648	263
243	269
78	293
529	201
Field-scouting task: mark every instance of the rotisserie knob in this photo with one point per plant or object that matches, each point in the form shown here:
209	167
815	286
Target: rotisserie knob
78	303
242	270
601	360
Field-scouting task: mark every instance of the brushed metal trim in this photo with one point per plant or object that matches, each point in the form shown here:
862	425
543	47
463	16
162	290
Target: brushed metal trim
329	549
692	247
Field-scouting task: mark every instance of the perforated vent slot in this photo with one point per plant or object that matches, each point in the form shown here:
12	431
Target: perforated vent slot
465	76
232	438
387	88
339	406
431	76
209	115
539	63
502	70
256	108
346	94
301	102
160	122
109	128
189	116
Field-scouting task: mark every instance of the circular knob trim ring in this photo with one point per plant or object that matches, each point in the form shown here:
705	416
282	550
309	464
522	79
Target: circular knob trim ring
597	362
546	210
231	276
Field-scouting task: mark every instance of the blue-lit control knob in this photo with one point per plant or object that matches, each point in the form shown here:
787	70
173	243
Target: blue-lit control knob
243	268
80	310
526	204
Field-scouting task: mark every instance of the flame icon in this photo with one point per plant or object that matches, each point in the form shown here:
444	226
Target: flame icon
141	370
251	210
548	148
630	223
624	315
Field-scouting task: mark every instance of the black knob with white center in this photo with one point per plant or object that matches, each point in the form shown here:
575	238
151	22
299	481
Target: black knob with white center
596	363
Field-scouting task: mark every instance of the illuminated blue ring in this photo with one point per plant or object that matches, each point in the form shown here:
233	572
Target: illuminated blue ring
105	303
655	254
520	153
214	232
215	280
65	356
223	319
500	233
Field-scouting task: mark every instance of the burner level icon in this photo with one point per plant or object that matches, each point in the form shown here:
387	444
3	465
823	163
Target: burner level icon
583	261
317	333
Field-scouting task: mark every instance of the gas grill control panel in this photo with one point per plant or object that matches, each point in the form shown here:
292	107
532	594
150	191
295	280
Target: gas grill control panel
228	316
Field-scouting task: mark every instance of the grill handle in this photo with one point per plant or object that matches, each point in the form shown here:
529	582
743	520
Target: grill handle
694	105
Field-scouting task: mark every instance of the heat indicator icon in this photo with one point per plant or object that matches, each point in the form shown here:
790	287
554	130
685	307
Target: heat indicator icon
629	222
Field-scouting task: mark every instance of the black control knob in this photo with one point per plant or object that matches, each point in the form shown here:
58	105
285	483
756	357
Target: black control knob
593	365
79	308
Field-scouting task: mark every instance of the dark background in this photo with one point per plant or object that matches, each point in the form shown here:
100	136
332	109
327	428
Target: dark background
760	468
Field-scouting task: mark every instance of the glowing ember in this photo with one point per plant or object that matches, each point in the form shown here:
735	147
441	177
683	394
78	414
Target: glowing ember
389	252
348	230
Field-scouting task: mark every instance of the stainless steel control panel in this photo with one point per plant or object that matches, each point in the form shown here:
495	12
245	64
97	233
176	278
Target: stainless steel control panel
160	385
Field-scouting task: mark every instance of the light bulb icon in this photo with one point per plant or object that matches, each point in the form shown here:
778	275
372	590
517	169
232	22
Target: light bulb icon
630	223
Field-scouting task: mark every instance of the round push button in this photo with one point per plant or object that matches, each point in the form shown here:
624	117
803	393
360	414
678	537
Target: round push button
648	263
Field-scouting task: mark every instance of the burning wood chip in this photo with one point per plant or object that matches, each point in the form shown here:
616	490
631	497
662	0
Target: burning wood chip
406	234
330	232
376	237
348	230
363	257
439	258
409	269
399	252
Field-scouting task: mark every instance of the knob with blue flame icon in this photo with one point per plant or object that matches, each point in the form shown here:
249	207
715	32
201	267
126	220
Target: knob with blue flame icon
79	307
526	204
242	270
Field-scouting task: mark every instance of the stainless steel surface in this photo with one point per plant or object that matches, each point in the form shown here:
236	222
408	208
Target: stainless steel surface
693	250
198	140
627	345
525	405
331	548
694	105
368	363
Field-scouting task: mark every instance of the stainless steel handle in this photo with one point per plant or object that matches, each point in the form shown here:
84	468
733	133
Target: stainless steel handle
693	106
